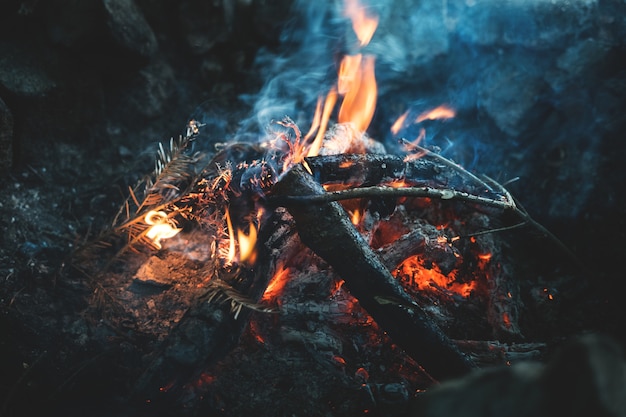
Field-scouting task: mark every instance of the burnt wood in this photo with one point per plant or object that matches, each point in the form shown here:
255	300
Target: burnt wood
363	170
210	329
327	230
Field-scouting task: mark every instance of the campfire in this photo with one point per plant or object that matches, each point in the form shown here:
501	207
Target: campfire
398	249
340	252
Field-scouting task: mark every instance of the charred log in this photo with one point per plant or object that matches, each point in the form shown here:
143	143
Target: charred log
422	240
326	229
364	170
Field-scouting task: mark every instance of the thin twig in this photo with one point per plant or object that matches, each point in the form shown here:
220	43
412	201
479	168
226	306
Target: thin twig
383	191
496	230
445	161
508	203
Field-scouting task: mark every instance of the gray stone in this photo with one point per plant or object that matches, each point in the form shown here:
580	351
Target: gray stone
402	41
586	377
535	24
6	138
507	93
22	71
577	61
204	24
73	23
151	89
129	28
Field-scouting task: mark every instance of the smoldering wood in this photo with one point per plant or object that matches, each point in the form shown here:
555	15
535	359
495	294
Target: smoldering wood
429	175
327	230
214	321
504	303
419	241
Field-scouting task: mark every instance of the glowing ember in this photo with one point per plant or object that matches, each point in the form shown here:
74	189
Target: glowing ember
506	319
161	227
414	274
338	285
483	260
484	257
398	183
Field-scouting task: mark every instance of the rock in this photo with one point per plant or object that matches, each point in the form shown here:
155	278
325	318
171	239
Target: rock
534	24
129	29
268	17
6	138
586	377
147	93
73	23
203	24
508	93
403	41
577	61
23	70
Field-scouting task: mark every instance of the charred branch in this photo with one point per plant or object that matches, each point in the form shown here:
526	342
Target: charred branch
418	241
383	191
427	170
327	230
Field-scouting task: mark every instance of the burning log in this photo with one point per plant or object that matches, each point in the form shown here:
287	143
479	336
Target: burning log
327	230
418	241
216	319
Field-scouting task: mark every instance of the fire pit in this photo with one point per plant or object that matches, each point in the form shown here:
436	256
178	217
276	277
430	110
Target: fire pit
349	248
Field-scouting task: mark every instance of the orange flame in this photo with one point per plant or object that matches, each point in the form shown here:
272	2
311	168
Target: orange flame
356	78
276	284
247	250
246	242
359	102
349	73
441	112
398	183
363	25
356	217
316	119
356	83
329	104
399	123
161	227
